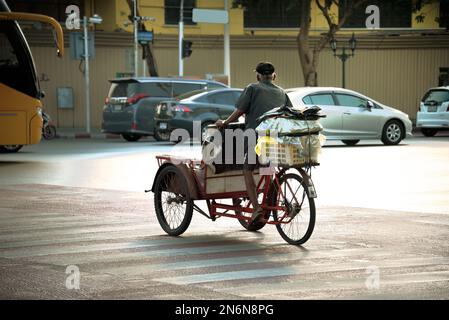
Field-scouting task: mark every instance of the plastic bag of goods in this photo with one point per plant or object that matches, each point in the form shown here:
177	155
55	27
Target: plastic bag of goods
288	125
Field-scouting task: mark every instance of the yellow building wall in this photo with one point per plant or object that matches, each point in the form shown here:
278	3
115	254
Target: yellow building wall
115	13
431	11
155	9
106	9
395	77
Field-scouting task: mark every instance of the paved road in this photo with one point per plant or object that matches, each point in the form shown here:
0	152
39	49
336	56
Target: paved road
382	215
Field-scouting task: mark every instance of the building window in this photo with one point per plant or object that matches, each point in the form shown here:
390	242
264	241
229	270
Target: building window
443	79
172	8
52	8
396	14
272	14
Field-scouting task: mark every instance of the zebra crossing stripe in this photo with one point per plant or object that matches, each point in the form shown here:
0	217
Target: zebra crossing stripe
295	270
83	248
237	260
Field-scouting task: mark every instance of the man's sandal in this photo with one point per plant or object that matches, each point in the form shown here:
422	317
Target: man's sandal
256	216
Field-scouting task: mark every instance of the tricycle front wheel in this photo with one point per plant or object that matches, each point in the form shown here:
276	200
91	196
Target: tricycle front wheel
174	207
296	223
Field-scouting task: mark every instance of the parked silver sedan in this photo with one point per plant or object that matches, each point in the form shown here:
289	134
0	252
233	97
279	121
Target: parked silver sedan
352	117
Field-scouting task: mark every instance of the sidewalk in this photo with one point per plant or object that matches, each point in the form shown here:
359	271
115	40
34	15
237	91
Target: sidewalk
95	133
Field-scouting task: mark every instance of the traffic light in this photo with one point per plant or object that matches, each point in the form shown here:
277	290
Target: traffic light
186	48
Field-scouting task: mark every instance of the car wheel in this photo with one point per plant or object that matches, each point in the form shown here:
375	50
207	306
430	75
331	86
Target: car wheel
350	142
162	136
131	137
392	133
204	130
429	132
10	148
49	132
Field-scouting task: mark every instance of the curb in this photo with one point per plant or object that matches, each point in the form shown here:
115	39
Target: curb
84	135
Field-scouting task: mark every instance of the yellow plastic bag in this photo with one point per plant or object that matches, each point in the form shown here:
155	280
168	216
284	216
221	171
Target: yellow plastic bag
265	140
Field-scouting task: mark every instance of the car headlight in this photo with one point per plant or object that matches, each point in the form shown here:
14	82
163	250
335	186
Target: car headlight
39	111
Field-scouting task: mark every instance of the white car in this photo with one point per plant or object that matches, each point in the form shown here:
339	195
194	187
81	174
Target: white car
352	117
433	114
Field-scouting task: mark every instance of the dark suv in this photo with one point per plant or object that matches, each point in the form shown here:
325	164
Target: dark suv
130	105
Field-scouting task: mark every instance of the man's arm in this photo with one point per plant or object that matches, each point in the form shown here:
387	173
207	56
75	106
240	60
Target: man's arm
242	107
234	116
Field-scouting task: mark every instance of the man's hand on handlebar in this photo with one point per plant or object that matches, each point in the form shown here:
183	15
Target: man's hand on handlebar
220	124
234	116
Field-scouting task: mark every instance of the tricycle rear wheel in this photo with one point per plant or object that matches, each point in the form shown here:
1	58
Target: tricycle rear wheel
271	201
174	207
247	223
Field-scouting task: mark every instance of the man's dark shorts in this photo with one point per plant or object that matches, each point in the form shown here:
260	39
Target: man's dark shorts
251	160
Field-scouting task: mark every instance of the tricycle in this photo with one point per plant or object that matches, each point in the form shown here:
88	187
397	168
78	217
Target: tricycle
286	194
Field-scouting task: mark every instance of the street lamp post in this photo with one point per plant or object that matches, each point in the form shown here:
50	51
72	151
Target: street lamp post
180	38
227	48
95	19
344	56
136	47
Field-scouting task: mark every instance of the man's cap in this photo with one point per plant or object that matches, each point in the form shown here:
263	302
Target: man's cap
265	68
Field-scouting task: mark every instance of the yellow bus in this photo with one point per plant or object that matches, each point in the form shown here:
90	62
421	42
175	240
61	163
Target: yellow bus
20	94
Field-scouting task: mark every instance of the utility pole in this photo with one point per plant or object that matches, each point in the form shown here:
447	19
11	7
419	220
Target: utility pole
136	47
95	19
86	74
227	50
181	36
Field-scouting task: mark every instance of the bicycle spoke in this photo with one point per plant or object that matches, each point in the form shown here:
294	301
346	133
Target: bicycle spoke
173	204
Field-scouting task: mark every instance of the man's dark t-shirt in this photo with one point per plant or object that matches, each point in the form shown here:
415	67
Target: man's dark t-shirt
259	98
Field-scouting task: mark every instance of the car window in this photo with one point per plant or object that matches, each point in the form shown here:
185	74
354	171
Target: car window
191	94
212	85
129	89
183	87
237	95
117	90
348	100
438	96
322	99
307	100
156	89
225	98
16	69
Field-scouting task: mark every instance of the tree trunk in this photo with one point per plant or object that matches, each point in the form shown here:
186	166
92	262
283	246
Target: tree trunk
306	57
147	48
150	59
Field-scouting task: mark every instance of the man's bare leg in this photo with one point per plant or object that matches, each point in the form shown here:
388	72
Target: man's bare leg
251	189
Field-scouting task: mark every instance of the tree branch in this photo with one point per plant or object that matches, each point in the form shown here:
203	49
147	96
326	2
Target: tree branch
334	28
325	10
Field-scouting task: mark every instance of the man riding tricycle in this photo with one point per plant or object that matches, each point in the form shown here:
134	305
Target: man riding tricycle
274	187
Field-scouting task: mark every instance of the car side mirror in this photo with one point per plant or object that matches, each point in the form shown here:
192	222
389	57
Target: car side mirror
41	94
369	105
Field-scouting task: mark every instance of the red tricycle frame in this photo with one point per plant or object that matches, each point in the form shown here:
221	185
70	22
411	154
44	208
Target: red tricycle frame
265	185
